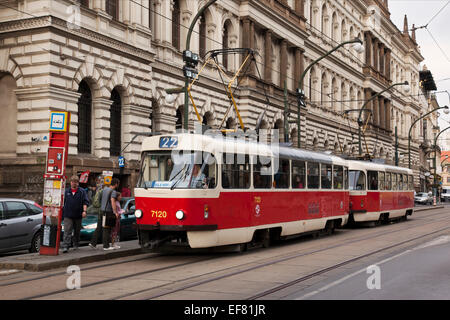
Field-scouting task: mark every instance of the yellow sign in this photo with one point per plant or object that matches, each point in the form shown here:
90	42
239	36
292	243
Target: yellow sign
58	121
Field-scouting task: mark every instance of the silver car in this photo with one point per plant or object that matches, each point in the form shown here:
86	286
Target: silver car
20	225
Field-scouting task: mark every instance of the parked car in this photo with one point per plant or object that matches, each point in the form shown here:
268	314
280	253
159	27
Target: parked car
423	198
20	225
127	219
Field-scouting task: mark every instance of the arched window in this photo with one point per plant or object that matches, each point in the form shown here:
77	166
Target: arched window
112	8
176	25
225	42
84	118
115	141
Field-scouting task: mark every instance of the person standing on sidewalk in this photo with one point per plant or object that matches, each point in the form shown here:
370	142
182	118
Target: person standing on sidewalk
74	210
95	208
109	210
115	234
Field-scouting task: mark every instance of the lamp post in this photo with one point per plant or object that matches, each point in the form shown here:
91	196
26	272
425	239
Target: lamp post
300	93
446	111
360	122
434	162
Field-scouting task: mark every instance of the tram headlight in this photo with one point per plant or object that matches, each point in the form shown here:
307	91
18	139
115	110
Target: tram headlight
138	213
179	214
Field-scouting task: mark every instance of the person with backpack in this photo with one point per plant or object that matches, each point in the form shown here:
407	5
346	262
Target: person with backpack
94	208
109	210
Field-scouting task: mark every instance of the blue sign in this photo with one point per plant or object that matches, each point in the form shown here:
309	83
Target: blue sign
168	142
121	162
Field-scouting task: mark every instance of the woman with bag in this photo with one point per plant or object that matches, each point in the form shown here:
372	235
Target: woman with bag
116	230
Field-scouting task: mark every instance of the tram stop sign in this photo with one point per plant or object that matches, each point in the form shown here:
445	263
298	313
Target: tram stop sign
121	162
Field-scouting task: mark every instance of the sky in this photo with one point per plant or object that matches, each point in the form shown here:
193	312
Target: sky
436	15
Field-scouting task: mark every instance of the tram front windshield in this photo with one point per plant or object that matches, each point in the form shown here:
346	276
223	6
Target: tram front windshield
180	170
357	180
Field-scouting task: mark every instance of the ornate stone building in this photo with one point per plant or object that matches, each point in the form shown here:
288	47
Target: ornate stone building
109	63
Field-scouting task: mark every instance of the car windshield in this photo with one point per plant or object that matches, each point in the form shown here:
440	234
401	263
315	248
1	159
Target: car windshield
180	169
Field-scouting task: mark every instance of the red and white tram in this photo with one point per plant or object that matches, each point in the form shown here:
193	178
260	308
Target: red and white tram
379	192
205	191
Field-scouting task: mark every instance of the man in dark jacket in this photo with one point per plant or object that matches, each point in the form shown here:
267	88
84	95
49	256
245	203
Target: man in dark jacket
75	206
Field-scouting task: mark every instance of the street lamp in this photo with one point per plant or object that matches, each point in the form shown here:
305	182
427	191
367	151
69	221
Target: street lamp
446	111
359	48
360	122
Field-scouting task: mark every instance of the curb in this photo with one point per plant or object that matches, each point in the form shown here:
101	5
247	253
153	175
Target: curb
429	208
47	265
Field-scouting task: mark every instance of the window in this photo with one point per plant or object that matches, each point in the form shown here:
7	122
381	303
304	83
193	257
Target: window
388	185
84	118
338	177
411	182
235	171
34	209
202	36
372	177
1	211
112	8
298	175
394	181
400	181
262	173
176	25
345	178
181	170
282	177
381	181
326	175
115	143
357	180
15	209
313	175
84	2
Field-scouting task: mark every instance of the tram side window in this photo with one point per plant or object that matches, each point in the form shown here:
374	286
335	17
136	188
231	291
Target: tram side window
411	182
357	180
345	178
326	175
235	171
394	181
262	173
313	175
373	180
282	177
400	181
381	181
338	177
298	174
388	185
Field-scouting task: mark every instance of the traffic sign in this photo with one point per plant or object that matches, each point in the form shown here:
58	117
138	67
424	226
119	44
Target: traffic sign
121	161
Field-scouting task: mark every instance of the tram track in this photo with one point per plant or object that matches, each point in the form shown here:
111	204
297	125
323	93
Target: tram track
252	268
187	283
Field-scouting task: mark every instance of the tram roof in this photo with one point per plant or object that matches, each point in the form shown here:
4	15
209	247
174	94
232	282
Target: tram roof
367	165
220	144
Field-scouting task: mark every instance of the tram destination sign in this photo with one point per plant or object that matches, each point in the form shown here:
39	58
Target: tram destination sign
168	142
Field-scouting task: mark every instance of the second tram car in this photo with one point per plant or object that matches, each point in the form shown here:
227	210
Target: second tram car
379	193
204	191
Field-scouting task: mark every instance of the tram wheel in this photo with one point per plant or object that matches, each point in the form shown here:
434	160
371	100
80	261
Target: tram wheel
243	247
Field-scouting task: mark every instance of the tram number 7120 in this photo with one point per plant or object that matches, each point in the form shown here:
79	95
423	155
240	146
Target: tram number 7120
159	214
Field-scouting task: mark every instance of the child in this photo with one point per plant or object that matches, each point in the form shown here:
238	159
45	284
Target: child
116	230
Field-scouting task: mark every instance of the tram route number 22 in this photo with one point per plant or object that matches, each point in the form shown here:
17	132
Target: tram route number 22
168	142
159	214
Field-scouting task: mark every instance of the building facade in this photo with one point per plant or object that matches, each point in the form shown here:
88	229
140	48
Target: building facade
109	63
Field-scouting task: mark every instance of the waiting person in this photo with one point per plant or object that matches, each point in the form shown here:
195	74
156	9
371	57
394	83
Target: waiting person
109	209
74	210
126	192
95	208
115	233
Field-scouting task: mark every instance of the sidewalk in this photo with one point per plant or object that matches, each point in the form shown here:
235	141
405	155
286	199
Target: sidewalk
85	254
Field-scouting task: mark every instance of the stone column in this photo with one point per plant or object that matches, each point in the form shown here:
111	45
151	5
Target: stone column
369	106
382	113
387	110
126	18
382	57
375	54
101	108
368	38
283	62
300	7
299	65
376	112
268	57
